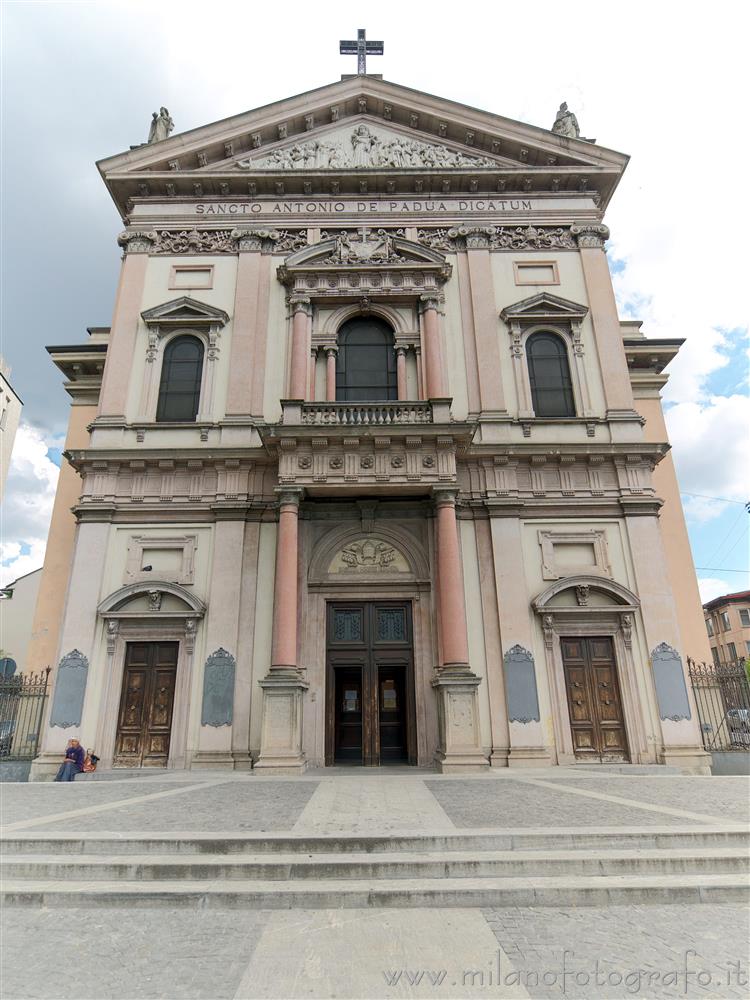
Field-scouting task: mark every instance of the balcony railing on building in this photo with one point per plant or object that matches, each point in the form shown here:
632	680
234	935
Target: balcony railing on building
398	413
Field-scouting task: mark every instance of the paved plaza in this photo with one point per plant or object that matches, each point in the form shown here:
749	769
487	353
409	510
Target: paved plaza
643	949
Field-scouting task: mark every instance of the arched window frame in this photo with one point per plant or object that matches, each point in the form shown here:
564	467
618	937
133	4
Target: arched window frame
394	346
164	346
179	318
550	330
552	314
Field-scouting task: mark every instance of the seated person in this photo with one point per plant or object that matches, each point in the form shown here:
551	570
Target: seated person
73	763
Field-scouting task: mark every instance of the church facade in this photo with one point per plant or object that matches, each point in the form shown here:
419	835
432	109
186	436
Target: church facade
370	470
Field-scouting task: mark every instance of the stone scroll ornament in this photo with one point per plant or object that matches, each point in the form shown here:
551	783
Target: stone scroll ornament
70	688
218	689
520	685
669	678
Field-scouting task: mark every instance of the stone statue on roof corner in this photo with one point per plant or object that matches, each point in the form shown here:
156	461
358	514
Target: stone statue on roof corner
161	126
566	123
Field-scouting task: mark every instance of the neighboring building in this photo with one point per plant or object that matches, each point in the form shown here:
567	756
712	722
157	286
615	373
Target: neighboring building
17	603
10	414
728	627
368	479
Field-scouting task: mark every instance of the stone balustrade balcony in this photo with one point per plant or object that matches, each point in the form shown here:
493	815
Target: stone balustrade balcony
395	413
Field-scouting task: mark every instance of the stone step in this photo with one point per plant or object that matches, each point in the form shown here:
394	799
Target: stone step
403	865
340	894
189	843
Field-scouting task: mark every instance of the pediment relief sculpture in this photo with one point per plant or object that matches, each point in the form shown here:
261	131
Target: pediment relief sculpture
364	147
371	555
363	247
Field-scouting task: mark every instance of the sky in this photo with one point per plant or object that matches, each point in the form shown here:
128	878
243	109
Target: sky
661	82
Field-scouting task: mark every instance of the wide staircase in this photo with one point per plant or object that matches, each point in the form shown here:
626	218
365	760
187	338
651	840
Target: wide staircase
469	869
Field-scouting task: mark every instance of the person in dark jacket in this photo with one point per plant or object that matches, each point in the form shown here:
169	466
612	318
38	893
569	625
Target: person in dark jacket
73	763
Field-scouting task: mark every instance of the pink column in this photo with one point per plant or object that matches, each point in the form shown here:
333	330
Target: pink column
434	383
284	641
298	374
452	603
313	366
401	372
331	374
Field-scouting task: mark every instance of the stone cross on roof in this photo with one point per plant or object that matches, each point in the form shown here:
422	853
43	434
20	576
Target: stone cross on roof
361	48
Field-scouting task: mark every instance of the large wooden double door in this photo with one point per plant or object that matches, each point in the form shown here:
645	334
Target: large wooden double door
594	702
370	683
144	723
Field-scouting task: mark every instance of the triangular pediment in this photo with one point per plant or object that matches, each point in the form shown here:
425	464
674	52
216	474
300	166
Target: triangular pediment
544	306
365	248
185	310
362	144
414	132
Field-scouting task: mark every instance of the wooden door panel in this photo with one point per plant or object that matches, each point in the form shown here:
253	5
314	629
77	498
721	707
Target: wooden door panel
146	705
594	703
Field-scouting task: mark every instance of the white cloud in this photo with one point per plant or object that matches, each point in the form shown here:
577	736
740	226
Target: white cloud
27	506
711	587
710	442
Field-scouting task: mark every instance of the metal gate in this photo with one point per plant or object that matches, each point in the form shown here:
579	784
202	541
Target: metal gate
722	695
22	701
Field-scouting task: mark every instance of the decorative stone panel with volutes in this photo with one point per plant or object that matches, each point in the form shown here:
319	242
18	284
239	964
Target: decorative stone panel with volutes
367	460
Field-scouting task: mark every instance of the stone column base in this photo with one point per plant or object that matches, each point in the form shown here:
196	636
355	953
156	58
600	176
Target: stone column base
45	766
221	760
529	757
460	749
690	759
281	724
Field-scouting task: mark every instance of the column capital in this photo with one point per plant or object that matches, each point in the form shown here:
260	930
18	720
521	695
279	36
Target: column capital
445	496
588	235
331	352
254	240
289	496
429	302
401	350
137	240
300	304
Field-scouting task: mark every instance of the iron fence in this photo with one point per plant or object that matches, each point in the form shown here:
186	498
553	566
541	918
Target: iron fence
22	701
722	695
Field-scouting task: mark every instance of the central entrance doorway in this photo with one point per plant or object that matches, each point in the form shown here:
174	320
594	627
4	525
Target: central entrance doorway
594	703
144	722
370	715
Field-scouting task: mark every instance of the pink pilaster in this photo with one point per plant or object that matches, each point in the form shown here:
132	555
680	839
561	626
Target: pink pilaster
401	372
123	335
299	369
313	366
284	642
331	374
452	602
434	381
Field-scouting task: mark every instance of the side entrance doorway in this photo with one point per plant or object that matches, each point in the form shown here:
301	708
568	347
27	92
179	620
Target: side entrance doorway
370	708
144	721
594	701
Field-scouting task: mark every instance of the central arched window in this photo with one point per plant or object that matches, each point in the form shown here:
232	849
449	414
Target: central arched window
180	386
549	376
366	362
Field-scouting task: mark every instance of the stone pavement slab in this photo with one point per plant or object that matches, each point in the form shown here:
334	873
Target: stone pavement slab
232	806
607	953
515	803
726	797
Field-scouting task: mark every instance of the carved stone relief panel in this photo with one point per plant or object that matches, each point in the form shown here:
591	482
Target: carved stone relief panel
369	555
